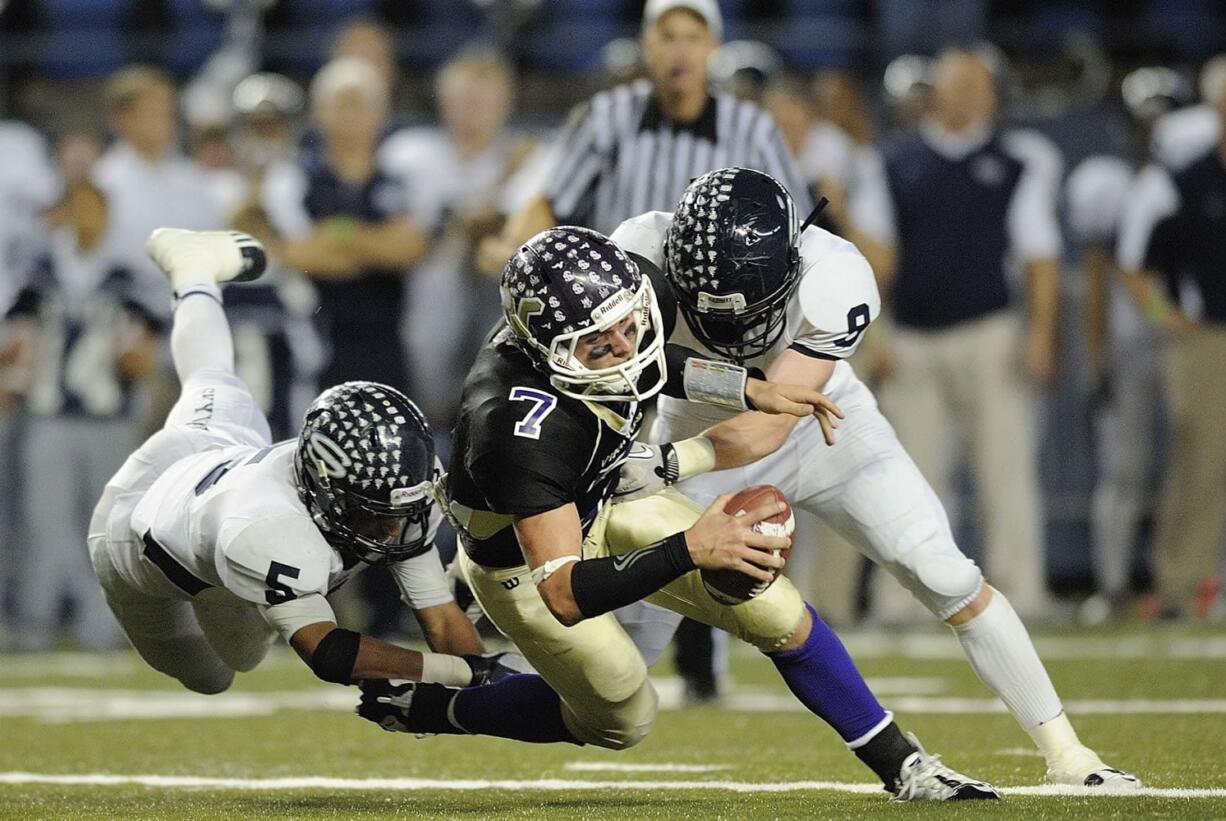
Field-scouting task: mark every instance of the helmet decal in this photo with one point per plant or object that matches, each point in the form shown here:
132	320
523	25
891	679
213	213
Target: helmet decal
568	282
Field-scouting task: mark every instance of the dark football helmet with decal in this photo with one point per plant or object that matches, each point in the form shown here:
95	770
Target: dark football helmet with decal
732	255
568	282
364	467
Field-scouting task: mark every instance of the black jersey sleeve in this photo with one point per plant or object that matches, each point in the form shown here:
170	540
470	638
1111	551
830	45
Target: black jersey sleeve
528	454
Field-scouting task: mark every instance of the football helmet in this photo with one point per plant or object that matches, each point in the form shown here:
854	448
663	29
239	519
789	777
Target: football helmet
732	255
364	466
568	282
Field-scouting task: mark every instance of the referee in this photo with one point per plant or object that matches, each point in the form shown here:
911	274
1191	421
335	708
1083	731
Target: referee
633	149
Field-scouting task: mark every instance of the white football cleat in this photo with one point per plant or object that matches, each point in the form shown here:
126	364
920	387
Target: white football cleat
1081	767
924	778
208	257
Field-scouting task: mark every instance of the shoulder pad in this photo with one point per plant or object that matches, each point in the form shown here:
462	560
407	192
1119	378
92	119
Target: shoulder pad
278	558
838	299
644	235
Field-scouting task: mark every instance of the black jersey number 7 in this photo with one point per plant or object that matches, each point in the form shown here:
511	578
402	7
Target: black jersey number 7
542	405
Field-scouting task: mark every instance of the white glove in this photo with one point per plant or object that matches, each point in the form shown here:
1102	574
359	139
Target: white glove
648	469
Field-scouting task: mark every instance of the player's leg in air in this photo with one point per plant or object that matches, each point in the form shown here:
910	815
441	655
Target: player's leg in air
593	686
198	642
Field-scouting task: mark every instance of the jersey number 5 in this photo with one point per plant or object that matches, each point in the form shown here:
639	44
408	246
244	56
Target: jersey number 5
542	405
279	592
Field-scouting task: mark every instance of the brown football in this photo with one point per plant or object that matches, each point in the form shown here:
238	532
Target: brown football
733	586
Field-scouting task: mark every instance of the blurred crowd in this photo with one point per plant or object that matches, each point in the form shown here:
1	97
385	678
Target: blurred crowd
1087	295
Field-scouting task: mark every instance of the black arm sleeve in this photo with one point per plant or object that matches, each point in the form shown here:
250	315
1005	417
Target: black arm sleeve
601	585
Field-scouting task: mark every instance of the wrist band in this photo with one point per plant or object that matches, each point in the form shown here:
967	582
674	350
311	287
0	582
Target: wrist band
716	383
540	574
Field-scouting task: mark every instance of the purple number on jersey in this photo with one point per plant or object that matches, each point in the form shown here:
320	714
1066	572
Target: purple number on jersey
543	404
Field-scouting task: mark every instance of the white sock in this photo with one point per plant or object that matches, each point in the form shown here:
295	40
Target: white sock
1001	653
200	338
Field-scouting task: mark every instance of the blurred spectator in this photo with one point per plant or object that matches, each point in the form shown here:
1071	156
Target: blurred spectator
277	348
345	223
1175	230
459	171
966	201
147	181
369	40
89	340
28	184
1123	351
907	83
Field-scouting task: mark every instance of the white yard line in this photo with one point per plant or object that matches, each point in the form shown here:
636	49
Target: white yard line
662	767
61	705
534	785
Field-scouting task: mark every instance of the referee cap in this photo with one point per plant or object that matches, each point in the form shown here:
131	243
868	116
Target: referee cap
708	10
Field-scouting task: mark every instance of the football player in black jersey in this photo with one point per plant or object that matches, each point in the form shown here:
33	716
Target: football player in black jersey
548	419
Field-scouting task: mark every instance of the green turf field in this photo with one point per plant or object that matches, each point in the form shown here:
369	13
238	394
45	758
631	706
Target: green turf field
86	736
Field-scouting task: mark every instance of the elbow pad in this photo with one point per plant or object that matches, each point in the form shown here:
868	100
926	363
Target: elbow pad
335	656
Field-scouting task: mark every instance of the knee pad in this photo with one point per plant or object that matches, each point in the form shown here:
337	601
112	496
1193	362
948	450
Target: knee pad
938	574
209	683
614	726
767	621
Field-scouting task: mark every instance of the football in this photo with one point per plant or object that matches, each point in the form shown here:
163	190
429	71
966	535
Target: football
732	586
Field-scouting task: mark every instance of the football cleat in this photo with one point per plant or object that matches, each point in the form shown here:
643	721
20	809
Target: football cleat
1081	767
194	257
924	778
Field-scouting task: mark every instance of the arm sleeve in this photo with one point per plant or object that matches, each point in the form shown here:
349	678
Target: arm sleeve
422	581
838	300
291	616
1034	231
581	153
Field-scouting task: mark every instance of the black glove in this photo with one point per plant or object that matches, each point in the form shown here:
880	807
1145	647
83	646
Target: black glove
494	667
386	703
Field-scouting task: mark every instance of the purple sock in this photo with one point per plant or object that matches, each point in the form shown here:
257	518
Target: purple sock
825	679
521	707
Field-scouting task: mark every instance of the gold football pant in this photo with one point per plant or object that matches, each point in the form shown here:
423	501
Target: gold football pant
595	668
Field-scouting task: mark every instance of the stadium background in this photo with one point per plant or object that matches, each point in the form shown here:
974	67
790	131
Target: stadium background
1061	63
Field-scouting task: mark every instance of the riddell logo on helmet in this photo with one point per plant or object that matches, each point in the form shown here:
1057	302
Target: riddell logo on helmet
721	302
613	305
326	453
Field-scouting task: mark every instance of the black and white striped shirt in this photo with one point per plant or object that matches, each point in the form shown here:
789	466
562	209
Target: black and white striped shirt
622	157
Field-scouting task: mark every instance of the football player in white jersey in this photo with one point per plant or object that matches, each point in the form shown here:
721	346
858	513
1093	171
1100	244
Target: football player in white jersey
755	289
211	540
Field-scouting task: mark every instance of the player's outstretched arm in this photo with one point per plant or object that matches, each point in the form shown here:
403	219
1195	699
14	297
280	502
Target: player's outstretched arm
575	589
346	657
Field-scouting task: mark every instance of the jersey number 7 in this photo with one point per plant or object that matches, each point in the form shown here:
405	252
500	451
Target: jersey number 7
542	405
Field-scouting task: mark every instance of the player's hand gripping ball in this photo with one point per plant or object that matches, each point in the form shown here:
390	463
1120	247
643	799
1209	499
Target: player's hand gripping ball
732	586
